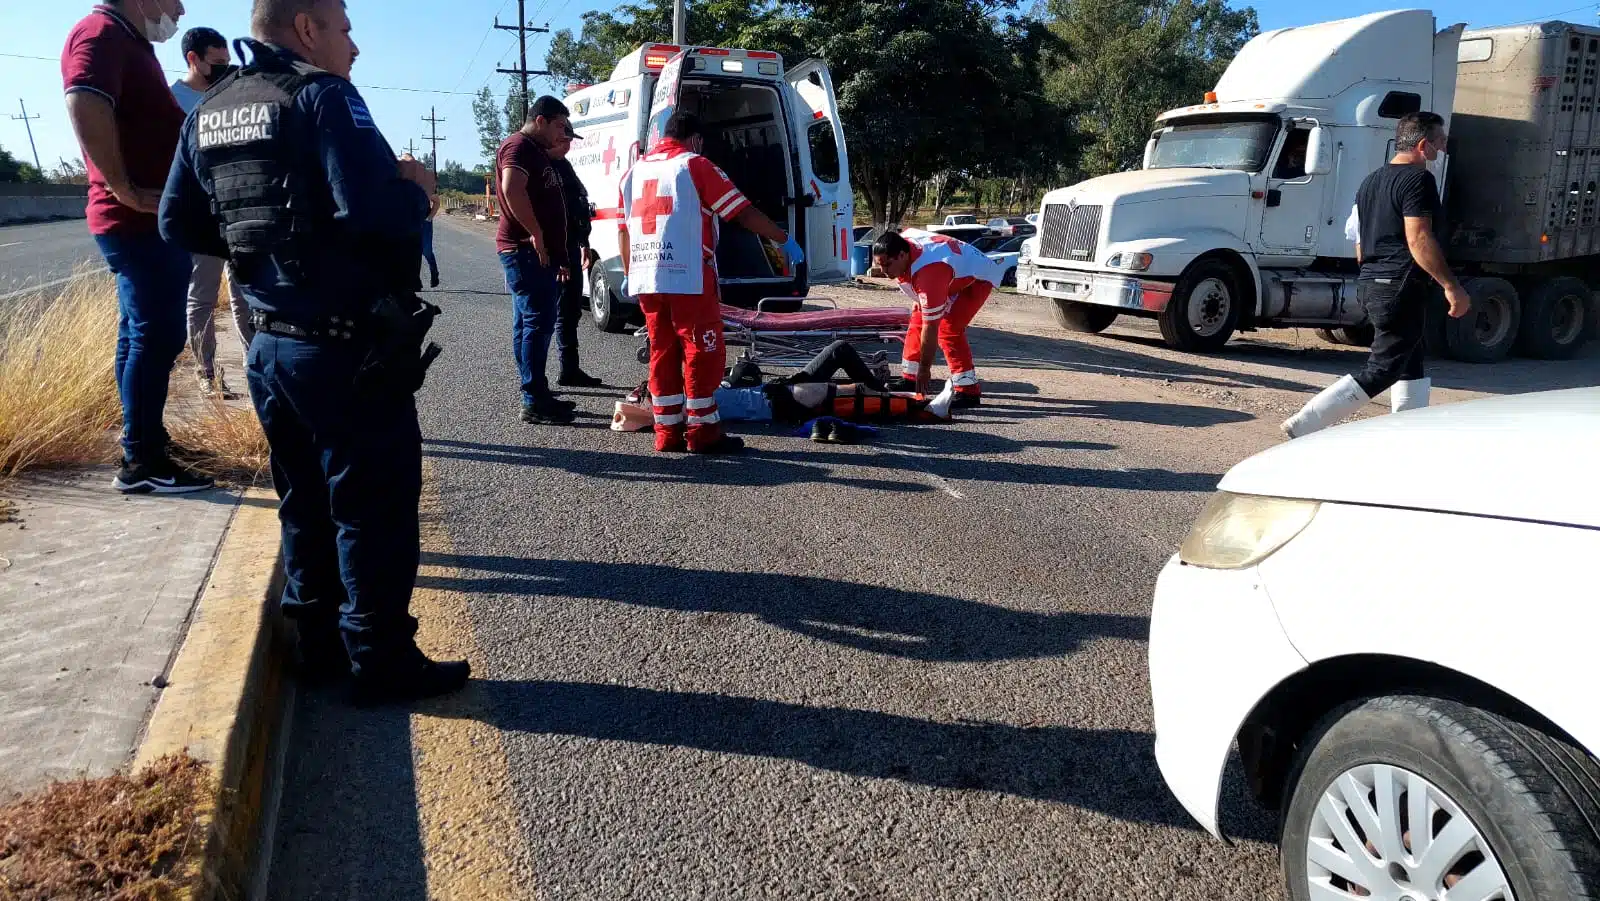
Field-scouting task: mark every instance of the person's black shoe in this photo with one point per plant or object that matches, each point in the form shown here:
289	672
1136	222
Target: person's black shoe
901	385
726	444
845	433
433	281
821	431
320	661
163	477
965	401
416	682
549	412
577	378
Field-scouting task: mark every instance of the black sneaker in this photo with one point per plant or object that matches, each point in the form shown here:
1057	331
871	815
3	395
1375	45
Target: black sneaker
422	680
965	401
821	431
901	385
320	661
577	378
165	477
433	282
549	412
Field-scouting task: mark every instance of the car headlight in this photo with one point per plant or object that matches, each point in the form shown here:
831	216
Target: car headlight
1131	262
1240	530
1025	252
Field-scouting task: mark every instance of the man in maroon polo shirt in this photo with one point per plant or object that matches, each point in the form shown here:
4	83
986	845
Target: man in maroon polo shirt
127	123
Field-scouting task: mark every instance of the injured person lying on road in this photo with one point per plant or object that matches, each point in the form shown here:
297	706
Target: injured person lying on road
807	394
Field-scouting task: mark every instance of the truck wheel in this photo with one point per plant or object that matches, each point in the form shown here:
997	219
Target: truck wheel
1082	317
1415	797
1327	334
1485	334
1555	319
610	314
1204	309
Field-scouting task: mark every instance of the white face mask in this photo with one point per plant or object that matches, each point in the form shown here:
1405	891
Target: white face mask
159	31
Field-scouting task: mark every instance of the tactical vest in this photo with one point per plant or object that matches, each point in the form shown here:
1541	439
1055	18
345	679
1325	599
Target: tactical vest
243	136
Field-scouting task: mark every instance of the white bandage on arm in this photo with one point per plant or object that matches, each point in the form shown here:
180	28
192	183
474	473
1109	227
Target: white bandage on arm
1352	226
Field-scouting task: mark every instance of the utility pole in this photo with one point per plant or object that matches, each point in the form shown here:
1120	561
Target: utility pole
523	29
411	147
680	22
432	118
26	121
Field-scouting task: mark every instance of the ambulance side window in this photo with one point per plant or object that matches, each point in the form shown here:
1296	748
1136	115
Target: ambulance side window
824	151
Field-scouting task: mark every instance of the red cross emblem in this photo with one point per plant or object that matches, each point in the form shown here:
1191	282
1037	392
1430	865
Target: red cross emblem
610	155
651	205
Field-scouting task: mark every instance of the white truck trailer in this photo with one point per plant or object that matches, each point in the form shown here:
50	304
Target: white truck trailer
1236	220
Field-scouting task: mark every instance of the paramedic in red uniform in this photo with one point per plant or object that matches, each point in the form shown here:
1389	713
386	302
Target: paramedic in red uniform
673	198
950	281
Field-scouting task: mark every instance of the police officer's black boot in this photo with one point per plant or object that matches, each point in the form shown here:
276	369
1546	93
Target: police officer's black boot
416	679
577	378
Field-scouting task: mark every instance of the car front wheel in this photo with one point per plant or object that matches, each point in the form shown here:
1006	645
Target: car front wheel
1422	799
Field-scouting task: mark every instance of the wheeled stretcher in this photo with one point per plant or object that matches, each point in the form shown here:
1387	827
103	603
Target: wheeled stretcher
794	339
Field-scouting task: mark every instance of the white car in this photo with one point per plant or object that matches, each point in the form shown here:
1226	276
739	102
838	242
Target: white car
1397	622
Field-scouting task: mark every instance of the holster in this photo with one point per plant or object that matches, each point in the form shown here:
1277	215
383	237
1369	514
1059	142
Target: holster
398	352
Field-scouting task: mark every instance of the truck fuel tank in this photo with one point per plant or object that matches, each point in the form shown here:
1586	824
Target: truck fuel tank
1300	296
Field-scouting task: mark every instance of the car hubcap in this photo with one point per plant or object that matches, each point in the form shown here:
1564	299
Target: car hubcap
1380	831
1209	305
599	298
1493	323
1567	322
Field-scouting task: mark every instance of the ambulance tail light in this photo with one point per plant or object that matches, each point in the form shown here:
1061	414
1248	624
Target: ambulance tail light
657	55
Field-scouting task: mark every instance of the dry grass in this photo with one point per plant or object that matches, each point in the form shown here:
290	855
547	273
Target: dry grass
123	838
223	441
58	400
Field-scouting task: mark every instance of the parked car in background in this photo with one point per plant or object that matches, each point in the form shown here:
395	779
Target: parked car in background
967	233
1033	219
1012	225
1402	652
1005	251
958	219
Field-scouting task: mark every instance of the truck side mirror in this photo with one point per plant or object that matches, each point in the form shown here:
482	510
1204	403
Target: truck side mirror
1319	157
1149	152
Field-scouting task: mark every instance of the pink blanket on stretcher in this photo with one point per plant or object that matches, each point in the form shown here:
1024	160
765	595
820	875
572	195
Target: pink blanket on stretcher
819	320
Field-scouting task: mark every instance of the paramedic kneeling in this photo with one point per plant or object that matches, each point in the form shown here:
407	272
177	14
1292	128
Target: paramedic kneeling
673	197
950	282
282	170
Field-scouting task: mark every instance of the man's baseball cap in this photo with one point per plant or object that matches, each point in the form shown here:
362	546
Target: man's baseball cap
570	133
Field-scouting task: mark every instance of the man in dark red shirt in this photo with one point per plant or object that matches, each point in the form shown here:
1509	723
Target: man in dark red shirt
532	241
127	123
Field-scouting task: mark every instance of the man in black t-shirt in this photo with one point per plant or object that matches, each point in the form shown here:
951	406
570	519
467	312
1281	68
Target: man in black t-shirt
1396	216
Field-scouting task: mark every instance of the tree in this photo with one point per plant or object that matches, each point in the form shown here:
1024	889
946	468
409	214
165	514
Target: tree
14	170
70	172
1125	61
455	177
933	86
491	127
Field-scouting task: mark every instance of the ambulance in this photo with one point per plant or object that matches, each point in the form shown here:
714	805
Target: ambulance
775	131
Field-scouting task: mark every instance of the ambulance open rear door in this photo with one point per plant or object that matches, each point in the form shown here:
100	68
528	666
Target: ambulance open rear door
825	173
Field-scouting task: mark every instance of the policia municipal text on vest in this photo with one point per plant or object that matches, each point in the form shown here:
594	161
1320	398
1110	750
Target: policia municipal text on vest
266	208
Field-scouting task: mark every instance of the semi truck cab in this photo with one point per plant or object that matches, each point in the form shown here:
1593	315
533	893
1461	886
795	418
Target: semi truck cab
1236	219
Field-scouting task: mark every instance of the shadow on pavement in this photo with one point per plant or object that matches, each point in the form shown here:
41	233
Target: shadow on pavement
348	824
915	625
1110	771
806	463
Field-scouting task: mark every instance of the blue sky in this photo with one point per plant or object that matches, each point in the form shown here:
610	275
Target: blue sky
442	53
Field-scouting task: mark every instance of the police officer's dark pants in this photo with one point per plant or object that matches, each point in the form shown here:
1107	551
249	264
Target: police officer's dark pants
347	465
570	313
427	249
1397	314
534	296
152	299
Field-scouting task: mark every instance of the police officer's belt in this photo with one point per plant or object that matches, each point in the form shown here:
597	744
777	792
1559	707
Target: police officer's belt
333	328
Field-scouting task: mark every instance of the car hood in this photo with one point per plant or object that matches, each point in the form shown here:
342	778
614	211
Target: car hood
1529	457
1144	185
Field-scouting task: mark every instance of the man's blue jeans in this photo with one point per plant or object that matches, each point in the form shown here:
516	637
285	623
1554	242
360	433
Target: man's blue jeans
534	295
152	297
427	249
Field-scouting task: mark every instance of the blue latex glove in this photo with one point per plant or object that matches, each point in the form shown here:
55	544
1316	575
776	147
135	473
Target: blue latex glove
792	249
623	288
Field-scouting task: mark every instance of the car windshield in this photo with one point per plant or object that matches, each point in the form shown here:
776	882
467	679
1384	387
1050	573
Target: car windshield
987	244
1241	144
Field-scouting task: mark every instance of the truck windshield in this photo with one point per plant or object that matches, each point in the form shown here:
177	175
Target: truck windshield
1215	144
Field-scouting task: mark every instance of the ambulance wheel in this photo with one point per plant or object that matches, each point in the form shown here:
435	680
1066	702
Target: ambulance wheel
610	313
1555	319
1486	333
1204	309
1082	317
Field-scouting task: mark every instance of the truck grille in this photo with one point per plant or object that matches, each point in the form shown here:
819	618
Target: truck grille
1069	233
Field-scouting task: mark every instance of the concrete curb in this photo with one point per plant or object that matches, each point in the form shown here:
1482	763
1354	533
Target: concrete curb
224	697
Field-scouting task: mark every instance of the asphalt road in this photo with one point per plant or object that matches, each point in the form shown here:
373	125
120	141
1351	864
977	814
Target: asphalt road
913	669
43	255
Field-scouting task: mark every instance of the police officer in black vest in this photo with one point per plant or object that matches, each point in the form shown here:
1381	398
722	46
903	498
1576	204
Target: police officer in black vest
282	170
580	224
